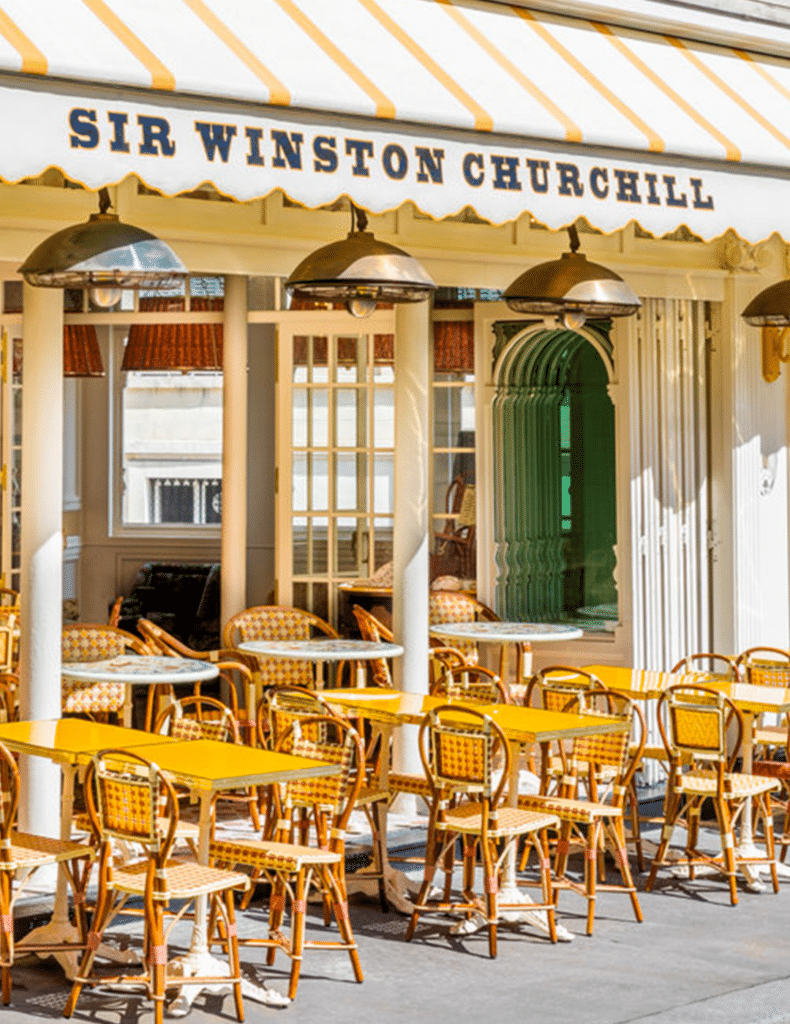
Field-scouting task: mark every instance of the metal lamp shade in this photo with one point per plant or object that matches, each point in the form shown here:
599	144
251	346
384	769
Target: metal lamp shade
360	267
771	308
571	284
81	355
103	253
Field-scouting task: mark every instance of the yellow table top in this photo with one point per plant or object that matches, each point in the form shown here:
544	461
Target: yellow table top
211	765
526	725
642	683
72	740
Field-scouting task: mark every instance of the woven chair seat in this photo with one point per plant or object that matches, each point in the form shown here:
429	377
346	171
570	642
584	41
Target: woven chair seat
31	851
568	809
702	781
402	782
187	830
772	769
183	879
507	821
270	856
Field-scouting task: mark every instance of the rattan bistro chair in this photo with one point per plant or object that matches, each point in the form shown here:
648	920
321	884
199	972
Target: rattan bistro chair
472	684
370	628
130	801
767	666
461	751
605	766
694	720
277	622
22	854
292	868
88	641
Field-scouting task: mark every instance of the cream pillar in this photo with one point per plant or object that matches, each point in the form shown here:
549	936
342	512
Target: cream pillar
234	449
42	544
410	556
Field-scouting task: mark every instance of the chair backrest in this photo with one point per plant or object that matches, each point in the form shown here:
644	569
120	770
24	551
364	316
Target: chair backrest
552	688
370	628
9	598
89	641
765	666
277	622
198	718
694	720
471	683
619	752
281	706
128	799
9	697
464	751
331	798
453	606
114	618
709	663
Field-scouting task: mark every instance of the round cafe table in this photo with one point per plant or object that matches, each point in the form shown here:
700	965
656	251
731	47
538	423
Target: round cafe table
151	670
319	651
519	633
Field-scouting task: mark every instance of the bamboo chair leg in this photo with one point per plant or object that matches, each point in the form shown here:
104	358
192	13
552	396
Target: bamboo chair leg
276	909
671	810
101	915
541	842
590	864
157	960
636	829
298	922
764	805
491	885
621	858
340	906
431	856
727	847
233	953
6	933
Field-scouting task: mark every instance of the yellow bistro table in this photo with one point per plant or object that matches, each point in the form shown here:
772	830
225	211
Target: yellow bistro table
206	767
388	710
71	743
752	701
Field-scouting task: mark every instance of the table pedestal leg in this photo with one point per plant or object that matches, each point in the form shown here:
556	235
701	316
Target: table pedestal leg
397	885
199	960
510	891
59	928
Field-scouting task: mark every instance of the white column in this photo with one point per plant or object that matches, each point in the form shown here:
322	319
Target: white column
410	556
234	449
42	543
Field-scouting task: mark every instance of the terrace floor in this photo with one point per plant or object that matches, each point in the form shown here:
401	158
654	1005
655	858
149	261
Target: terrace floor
694	960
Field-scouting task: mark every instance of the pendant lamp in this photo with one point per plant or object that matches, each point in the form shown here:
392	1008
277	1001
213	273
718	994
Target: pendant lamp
572	289
770	309
81	355
105	256
360	271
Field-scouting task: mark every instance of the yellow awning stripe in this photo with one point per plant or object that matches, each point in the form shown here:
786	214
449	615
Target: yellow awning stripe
33	60
763	71
654	141
384	105
279	95
161	77
483	120
728	90
731	150
573	132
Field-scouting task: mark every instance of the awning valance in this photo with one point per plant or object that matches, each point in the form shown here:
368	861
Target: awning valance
447	103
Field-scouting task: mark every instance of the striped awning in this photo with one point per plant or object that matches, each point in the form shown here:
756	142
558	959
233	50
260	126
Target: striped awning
447	103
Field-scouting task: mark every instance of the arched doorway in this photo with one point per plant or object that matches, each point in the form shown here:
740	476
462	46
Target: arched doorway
555	490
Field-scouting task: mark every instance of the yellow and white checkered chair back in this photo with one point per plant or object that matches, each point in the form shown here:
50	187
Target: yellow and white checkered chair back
694	719
766	666
86	641
198	718
461	749
451	606
277	622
